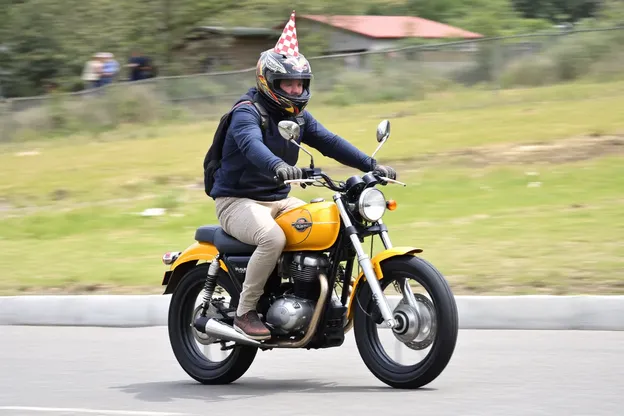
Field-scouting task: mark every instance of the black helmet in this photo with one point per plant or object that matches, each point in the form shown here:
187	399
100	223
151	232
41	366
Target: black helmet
271	68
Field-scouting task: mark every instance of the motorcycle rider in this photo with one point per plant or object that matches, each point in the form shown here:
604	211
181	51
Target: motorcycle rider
247	196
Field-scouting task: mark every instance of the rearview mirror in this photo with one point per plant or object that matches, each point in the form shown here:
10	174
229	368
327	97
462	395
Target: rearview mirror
383	131
288	129
290	132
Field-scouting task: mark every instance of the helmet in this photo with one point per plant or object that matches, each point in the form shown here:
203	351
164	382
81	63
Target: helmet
273	67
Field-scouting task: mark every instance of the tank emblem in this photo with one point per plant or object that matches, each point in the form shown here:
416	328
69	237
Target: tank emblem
301	224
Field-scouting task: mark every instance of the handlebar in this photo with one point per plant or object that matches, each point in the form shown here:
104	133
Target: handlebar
312	176
299	181
386	179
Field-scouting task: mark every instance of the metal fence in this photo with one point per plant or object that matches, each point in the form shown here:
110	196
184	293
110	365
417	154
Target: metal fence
407	73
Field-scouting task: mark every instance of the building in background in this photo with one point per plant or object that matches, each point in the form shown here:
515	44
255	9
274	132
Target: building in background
347	34
212	48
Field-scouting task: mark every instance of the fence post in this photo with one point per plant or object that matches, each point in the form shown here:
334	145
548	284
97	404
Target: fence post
497	65
5	121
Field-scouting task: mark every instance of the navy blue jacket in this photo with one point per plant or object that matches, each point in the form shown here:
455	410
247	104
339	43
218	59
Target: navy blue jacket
248	163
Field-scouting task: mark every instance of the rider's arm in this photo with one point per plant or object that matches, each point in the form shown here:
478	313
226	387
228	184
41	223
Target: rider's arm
245	128
334	146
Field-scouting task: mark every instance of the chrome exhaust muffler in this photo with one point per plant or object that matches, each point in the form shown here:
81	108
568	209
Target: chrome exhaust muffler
222	331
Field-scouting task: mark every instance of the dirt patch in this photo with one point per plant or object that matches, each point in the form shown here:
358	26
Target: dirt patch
560	151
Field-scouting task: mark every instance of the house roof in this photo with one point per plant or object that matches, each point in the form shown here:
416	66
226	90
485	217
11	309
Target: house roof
393	27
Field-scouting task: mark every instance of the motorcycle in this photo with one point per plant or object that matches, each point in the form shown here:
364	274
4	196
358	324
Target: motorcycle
300	304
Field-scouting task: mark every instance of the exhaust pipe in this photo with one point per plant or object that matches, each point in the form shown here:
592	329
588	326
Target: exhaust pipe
225	332
222	331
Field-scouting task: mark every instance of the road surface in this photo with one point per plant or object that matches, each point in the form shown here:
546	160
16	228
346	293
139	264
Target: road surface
112	371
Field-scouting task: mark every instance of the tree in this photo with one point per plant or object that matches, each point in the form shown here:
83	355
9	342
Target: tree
557	11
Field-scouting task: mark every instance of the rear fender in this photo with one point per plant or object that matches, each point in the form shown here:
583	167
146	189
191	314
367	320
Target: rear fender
196	252
377	260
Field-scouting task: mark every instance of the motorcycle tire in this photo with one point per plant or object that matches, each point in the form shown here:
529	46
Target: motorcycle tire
443	345
182	339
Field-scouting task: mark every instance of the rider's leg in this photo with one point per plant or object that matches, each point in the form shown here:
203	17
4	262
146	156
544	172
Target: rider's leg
252	222
286	204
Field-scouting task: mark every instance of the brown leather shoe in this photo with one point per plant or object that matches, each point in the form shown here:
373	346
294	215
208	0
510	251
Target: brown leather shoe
251	325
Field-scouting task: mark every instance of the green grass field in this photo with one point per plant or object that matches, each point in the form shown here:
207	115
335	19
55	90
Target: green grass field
524	193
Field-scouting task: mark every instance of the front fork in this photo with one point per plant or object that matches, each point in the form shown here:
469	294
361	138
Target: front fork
369	272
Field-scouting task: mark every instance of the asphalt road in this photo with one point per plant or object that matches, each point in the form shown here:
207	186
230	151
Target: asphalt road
84	371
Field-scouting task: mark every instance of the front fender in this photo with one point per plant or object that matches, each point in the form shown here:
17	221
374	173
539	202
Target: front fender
376	260
194	253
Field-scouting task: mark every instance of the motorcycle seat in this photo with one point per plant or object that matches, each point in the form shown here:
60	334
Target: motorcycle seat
225	243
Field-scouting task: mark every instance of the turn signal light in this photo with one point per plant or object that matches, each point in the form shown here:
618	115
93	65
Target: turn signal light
391	204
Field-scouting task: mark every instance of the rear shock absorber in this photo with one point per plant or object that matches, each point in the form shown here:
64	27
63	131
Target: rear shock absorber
210	284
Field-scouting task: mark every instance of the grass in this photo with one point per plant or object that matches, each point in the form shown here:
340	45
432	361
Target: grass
80	169
485	228
535	224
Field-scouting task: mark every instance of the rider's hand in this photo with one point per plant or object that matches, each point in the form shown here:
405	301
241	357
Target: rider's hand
386	171
285	172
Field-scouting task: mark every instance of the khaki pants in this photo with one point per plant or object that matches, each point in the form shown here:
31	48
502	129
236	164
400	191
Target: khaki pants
253	222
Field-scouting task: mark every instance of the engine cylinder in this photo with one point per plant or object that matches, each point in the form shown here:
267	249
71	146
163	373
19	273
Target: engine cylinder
304	269
292	311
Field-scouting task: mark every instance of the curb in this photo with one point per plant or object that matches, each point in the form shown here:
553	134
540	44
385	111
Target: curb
475	312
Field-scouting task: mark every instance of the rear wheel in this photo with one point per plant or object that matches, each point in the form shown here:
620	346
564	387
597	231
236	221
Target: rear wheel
430	324
190	346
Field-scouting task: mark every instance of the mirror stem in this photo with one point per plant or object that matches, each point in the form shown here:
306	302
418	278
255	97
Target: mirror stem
311	158
302	148
378	147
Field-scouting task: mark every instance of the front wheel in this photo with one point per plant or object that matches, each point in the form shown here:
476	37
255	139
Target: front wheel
207	360
431	322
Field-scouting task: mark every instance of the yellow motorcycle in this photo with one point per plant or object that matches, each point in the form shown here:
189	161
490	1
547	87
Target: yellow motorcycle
313	297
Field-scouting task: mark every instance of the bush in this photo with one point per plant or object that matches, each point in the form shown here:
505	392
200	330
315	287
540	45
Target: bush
536	72
572	60
610	69
569	58
94	111
380	84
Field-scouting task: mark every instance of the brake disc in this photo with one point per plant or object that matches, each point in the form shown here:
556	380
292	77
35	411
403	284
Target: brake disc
416	327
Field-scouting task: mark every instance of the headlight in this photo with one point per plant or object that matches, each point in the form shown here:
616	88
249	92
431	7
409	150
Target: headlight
372	204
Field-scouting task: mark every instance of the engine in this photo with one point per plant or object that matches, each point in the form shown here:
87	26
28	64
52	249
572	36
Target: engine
292	311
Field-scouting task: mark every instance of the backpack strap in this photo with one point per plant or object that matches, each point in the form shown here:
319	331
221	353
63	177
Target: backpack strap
264	116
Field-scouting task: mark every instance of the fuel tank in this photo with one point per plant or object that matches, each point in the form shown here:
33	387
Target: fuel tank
310	227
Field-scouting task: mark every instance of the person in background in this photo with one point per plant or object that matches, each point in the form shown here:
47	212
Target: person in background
139	66
92	71
110	69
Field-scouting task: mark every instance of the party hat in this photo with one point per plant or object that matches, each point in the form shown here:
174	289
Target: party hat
287	43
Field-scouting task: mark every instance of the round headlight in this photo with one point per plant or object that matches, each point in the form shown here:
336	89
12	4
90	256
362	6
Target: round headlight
372	204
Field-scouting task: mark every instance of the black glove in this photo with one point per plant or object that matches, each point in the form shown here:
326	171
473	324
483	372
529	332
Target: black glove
386	171
285	172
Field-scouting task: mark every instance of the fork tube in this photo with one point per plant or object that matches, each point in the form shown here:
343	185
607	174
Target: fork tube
367	265
385	237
